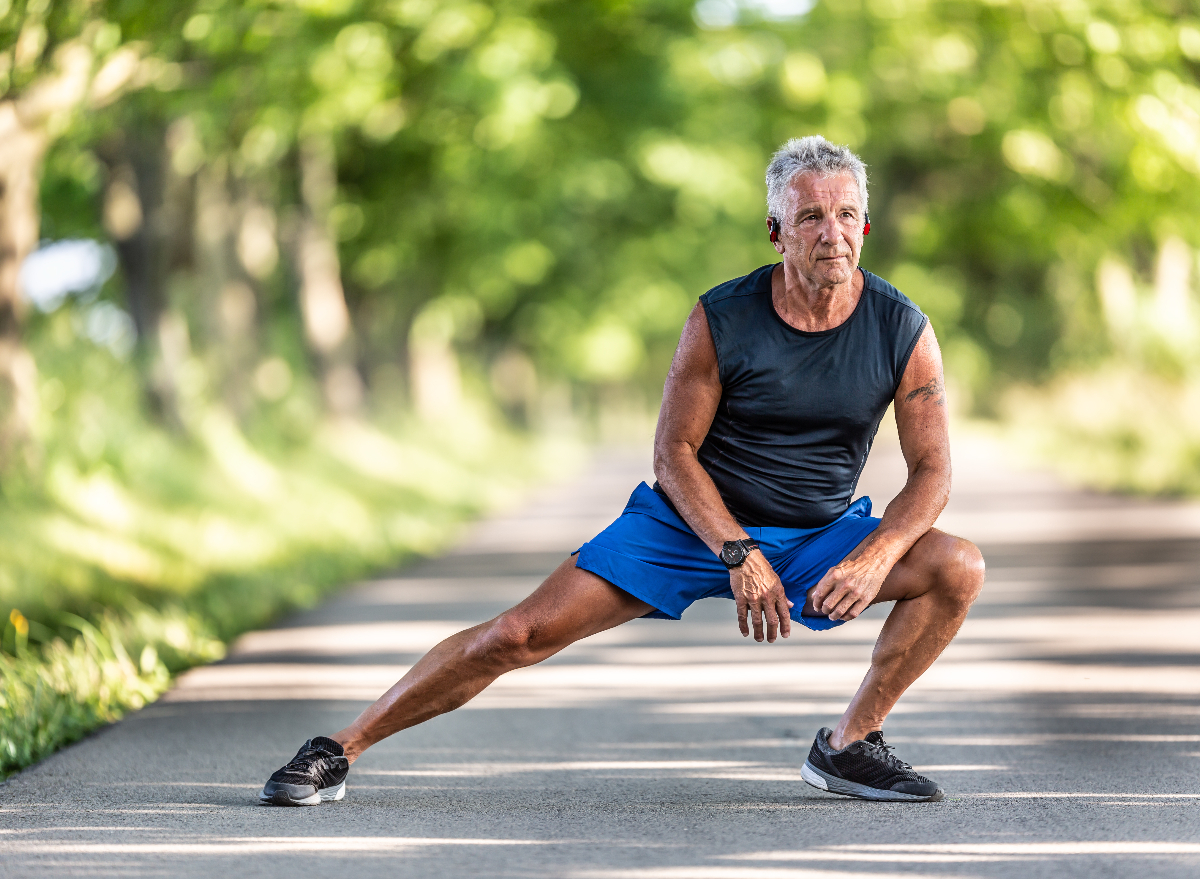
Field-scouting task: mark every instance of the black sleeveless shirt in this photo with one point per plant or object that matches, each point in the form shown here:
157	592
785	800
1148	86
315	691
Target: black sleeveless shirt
799	410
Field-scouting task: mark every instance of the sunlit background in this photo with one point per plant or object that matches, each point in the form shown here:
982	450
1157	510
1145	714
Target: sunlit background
289	287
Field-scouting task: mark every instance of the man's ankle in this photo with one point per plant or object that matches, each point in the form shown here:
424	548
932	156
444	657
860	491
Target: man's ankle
351	748
840	738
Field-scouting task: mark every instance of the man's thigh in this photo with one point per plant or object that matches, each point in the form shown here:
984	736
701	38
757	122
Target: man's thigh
573	604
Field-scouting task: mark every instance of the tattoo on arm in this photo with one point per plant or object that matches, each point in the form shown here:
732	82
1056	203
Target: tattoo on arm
935	391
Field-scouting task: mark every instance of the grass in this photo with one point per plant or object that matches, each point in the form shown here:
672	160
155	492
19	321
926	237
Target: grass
57	694
131	552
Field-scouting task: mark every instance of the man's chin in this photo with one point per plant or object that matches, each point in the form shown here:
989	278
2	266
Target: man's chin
834	271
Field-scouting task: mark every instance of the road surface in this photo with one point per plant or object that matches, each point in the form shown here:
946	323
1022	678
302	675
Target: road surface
1063	722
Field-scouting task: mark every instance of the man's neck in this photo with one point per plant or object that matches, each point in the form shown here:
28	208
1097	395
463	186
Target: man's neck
810	308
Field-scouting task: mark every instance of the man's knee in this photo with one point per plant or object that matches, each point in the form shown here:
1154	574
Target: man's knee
508	642
961	570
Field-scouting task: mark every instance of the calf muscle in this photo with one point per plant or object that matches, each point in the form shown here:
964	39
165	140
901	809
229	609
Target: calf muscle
933	587
570	605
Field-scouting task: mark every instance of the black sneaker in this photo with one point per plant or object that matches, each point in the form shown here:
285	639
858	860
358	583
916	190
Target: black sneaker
315	775
866	769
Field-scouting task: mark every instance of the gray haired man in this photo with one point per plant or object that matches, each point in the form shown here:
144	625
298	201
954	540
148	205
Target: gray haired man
770	406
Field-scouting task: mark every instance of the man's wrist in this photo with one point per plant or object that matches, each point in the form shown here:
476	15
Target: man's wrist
735	552
884	548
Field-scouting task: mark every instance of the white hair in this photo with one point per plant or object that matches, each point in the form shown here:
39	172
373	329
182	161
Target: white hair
812	153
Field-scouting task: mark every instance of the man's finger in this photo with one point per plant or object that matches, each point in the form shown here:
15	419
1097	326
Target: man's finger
841	607
861	605
772	622
741	615
835	597
848	601
785	616
823	586
756	618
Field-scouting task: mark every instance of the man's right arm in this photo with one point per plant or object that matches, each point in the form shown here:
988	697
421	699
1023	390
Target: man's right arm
690	399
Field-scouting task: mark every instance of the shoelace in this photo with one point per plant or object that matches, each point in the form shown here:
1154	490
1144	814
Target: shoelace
303	762
883	751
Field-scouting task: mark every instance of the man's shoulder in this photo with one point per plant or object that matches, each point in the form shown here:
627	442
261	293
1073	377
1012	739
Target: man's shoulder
755	283
889	295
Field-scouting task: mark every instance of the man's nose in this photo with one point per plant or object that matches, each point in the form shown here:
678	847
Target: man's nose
830	231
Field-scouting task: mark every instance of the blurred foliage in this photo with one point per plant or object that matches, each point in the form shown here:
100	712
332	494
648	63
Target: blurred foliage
389	210
1117	428
122	507
558	181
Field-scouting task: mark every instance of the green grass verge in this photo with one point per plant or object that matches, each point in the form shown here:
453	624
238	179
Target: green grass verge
52	696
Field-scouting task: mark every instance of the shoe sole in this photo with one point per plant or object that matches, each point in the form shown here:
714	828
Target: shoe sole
281	797
834	785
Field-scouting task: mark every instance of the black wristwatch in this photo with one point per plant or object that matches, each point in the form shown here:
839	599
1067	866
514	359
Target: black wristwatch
734	552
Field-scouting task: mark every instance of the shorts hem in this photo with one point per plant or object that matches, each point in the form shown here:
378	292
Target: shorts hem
817	624
596	560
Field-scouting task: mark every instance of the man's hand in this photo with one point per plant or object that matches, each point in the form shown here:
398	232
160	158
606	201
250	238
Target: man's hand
847	589
759	594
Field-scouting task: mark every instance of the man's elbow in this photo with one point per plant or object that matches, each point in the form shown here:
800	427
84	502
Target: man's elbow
944	479
936	475
669	457
662	465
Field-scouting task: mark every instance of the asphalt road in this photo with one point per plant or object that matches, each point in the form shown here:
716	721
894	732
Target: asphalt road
1062	723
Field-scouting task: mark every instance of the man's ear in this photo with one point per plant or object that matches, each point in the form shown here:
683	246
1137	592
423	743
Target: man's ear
773	229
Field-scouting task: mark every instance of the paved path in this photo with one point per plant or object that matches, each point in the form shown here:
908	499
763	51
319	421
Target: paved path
1063	724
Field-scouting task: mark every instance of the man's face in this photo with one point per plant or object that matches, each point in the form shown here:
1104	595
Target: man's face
822	236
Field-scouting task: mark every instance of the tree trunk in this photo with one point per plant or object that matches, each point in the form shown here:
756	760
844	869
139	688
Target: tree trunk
139	222
22	149
322	298
230	304
23	143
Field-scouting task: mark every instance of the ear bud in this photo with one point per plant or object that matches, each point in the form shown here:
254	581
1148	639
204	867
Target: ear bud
774	229
867	226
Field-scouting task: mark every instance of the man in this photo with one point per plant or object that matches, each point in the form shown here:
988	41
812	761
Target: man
774	396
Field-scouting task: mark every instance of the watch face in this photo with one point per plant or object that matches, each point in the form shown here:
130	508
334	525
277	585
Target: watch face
733	555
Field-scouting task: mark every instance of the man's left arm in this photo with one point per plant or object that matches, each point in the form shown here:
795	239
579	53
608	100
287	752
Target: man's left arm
923	425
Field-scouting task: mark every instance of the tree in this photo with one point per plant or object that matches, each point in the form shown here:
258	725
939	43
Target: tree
552	184
63	56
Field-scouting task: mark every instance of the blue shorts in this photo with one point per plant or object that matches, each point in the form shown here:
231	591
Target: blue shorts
652	554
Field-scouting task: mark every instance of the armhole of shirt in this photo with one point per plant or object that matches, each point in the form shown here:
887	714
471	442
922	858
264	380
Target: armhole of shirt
912	346
713	334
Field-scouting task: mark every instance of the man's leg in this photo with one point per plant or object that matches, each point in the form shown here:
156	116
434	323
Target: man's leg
570	605
933	586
